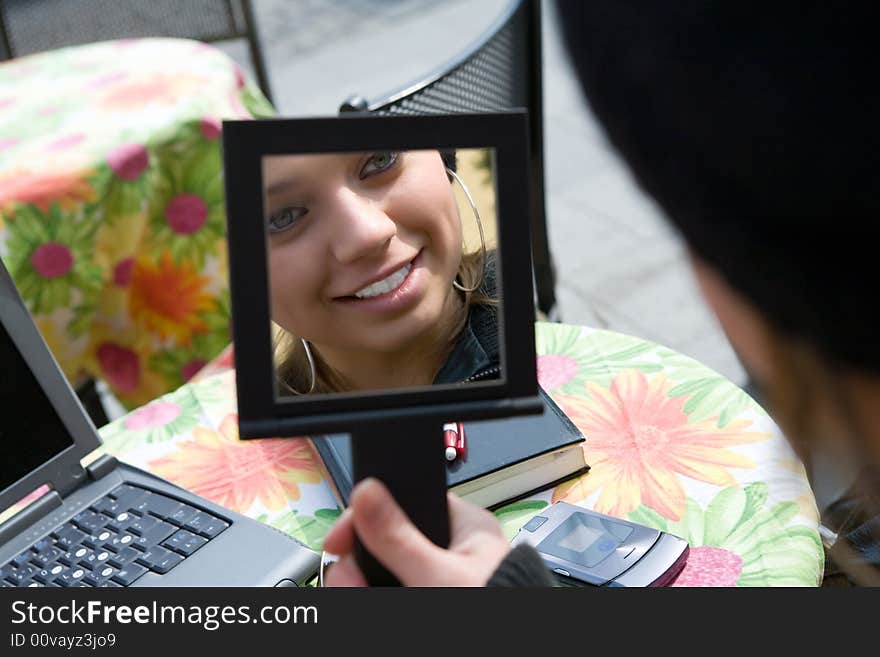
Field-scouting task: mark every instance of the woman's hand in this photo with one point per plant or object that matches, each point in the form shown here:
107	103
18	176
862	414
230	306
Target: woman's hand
476	548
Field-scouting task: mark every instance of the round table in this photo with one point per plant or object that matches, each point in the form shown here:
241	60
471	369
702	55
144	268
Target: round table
112	217
672	445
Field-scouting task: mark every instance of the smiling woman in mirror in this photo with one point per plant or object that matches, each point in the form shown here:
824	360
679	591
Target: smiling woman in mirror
371	286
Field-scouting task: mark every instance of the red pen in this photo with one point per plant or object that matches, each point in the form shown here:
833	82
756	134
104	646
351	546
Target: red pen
454	438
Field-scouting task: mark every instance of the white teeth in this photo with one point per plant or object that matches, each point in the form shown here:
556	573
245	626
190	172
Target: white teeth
385	285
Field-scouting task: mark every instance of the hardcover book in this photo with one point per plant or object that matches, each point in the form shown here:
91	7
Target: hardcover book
506	459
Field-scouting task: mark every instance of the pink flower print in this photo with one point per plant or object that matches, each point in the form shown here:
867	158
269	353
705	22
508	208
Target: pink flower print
52	260
191	369
65	142
186	213
710	566
239	77
120	365
128	161
555	370
153	415
107	80
122	272
210	128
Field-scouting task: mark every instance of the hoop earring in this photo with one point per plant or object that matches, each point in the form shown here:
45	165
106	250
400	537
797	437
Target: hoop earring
311	371
458	286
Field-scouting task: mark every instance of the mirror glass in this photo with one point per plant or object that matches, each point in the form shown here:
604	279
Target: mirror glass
383	270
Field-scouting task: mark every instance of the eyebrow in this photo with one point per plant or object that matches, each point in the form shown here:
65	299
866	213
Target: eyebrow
281	186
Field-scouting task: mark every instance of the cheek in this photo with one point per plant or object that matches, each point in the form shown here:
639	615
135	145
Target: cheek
292	285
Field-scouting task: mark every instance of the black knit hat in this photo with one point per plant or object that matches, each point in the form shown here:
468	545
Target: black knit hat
756	129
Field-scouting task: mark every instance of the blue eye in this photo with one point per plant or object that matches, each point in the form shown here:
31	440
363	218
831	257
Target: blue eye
378	162
284	219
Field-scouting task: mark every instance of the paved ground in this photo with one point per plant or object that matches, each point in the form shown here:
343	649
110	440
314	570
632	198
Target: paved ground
619	265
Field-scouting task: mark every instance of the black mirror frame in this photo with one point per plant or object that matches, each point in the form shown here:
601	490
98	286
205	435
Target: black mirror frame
246	142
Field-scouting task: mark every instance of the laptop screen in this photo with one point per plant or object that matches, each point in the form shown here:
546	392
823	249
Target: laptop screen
31	432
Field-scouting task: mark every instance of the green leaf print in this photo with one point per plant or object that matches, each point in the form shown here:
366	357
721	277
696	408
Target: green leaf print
598	356
309	530
723	514
711	395
648	517
513	516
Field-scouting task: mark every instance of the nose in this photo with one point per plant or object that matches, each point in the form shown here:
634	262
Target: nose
360	228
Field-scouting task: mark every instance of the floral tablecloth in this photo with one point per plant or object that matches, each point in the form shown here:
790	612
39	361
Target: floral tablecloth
112	219
671	443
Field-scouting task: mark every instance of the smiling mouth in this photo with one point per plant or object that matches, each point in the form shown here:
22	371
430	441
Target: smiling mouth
386	285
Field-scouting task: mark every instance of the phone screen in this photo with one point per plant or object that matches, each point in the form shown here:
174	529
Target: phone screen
585	539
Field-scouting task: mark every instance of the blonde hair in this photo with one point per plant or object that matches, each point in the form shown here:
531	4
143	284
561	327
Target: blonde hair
292	365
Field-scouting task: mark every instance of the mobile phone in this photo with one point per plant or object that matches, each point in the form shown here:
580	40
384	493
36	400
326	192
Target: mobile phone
586	548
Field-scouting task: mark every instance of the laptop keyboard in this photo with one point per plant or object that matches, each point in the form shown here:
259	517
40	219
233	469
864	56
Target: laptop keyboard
122	536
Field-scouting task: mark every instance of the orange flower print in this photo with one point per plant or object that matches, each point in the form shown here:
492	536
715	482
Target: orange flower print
235	473
167	298
640	442
42	189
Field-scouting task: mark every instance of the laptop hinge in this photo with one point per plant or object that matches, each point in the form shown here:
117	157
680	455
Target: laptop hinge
32	513
101	467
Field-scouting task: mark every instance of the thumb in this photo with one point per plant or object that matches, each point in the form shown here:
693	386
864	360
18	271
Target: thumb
390	536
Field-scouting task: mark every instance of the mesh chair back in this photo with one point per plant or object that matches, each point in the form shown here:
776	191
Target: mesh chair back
29	26
500	72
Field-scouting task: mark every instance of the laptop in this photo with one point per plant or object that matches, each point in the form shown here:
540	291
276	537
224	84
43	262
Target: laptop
107	524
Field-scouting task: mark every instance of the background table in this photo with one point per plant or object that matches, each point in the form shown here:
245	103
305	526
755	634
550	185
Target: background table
112	220
672	445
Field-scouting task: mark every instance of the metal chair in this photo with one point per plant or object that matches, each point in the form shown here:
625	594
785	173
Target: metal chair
29	26
499	71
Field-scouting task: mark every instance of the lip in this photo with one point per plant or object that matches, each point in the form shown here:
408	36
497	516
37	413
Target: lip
382	275
406	294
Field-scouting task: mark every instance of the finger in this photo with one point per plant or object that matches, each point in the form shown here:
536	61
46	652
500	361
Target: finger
465	519
344	572
340	538
389	535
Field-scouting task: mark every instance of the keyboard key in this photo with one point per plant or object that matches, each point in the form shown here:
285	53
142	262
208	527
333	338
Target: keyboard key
69	536
185	542
99	575
72	557
139	526
110	584
156	534
95	559
48	574
19	575
121	521
71	576
22	559
124	557
128	500
89	521
206	525
159	559
161	506
184	514
98	539
46	557
129	574
120	541
43	545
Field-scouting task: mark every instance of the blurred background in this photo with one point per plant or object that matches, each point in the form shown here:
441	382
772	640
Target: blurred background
618	264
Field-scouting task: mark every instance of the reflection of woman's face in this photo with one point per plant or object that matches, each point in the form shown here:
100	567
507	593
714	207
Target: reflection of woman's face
363	247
